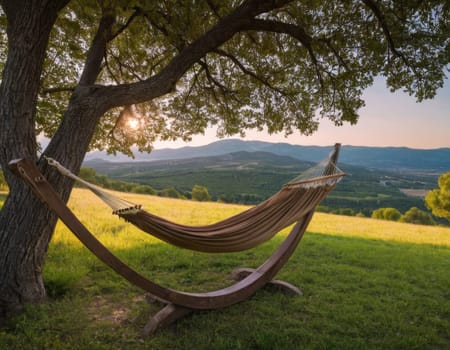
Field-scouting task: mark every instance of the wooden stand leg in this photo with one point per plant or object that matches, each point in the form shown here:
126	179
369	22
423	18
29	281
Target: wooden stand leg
166	316
242	272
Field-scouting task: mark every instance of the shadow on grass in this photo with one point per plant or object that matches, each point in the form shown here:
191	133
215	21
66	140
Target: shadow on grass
358	293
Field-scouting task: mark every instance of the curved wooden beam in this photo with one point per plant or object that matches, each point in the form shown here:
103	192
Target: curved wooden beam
178	303
235	293
240	273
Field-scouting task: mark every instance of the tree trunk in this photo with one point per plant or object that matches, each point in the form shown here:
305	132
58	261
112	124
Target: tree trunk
25	224
26	228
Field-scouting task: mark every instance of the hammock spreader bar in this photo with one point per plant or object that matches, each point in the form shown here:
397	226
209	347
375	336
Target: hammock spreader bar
242	231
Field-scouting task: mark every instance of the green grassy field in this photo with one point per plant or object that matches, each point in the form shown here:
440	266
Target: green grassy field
367	284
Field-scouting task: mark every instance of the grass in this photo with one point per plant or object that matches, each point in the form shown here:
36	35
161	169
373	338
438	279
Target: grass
367	284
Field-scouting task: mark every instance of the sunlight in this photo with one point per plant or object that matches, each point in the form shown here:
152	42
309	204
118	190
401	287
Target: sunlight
133	123
129	120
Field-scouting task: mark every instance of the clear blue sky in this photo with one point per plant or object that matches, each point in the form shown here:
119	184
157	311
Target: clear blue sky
388	119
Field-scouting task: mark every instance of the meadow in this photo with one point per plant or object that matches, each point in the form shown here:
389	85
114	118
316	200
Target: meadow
367	284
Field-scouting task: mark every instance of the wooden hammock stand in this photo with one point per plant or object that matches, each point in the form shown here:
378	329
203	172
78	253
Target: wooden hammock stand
177	303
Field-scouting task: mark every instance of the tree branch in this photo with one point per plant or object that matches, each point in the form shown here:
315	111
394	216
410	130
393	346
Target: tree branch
327	42
109	70
384	26
161	28
164	30
128	67
295	31
214	81
247	71
97	50
213	8
136	13
164	82
14	8
192	84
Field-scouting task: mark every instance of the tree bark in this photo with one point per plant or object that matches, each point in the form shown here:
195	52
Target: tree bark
25	225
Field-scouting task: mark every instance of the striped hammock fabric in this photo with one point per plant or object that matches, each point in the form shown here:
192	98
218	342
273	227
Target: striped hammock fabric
243	231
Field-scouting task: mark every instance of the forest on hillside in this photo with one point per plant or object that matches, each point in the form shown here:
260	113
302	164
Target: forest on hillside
251	177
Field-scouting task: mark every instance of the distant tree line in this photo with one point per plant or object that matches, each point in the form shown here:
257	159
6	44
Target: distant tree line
199	193
438	200
413	215
240	198
338	199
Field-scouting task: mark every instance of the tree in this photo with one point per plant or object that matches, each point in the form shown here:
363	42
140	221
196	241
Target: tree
170	192
417	216
176	67
378	214
88	174
391	214
143	189
438	200
200	193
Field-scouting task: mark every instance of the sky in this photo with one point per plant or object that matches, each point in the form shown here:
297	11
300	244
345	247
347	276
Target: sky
388	119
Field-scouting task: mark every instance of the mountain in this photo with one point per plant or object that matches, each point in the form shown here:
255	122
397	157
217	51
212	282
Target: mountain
398	159
230	160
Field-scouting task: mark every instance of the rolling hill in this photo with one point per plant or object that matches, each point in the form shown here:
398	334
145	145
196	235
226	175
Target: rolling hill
396	159
250	177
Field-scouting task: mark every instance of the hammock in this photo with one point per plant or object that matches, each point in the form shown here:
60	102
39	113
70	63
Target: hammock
242	231
295	201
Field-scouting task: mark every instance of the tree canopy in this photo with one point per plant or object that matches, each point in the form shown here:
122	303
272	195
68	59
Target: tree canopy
417	216
391	214
438	200
279	65
200	193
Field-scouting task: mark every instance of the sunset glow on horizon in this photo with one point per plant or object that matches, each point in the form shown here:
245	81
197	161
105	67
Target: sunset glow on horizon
387	120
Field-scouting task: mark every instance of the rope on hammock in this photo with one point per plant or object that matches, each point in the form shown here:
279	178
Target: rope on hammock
117	204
